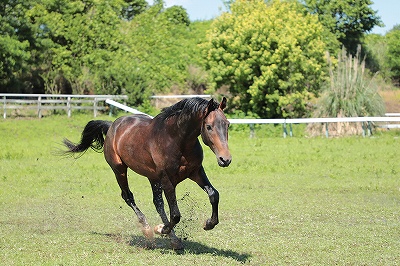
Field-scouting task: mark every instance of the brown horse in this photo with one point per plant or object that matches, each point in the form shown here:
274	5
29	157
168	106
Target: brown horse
166	150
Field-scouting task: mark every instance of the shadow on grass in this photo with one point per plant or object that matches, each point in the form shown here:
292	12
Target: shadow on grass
163	244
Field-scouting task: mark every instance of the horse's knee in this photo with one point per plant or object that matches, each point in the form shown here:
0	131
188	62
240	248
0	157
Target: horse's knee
214	196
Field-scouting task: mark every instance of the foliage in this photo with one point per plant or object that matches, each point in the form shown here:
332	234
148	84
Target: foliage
108	47
375	49
393	53
157	53
351	92
349	20
133	8
177	15
269	55
82	37
12	59
16	40
63	211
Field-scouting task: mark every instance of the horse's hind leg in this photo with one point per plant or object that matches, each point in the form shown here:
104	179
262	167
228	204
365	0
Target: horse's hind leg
159	204
122	179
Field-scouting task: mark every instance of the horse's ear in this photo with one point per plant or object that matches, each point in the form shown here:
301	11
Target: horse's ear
222	105
210	107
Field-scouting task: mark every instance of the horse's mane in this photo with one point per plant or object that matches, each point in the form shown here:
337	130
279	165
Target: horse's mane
184	110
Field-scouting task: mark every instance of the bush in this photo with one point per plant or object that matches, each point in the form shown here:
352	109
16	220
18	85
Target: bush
351	92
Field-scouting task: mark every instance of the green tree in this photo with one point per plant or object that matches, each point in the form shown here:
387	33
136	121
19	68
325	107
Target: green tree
81	37
16	42
271	55
375	49
95	46
347	19
133	8
393	53
177	15
160	51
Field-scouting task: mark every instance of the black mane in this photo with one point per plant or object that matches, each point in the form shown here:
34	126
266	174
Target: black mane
185	109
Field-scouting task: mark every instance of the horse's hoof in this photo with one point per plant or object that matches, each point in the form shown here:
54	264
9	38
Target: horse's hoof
147	232
208	225
158	229
177	244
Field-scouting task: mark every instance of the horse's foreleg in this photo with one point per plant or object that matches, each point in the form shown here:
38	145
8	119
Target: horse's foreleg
202	180
159	204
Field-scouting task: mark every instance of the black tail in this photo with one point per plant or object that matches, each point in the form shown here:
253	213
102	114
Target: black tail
92	137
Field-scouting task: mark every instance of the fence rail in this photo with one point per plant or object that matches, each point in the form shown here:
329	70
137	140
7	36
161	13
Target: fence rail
41	102
367	120
125	108
389	118
91	102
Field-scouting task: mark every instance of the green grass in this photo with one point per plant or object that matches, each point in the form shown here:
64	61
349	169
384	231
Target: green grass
294	201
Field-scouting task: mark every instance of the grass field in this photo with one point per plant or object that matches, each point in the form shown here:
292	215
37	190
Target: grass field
293	201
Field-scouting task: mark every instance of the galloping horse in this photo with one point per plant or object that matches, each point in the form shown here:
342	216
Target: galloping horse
166	150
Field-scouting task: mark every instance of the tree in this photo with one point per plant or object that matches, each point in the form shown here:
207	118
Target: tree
347	19
133	8
177	15
375	50
81	37
393	53
272	57
95	46
16	40
160	50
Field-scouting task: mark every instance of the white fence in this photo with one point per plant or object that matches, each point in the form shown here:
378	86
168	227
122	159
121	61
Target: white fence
68	103
125	108
41	102
389	118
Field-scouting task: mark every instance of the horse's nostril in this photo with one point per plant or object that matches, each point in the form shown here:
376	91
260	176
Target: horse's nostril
224	161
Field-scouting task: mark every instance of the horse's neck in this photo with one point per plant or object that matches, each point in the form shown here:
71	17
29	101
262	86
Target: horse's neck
187	133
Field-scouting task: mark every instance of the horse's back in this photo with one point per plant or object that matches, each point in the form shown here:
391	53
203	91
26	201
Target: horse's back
126	144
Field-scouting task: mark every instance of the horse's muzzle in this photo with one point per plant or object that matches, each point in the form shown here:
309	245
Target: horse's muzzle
224	162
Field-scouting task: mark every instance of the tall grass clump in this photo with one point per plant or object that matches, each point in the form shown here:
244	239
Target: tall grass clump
350	92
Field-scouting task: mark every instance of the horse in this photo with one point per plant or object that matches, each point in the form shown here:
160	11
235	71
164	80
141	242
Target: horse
165	149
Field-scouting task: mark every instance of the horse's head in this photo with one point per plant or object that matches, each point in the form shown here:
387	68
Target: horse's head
214	132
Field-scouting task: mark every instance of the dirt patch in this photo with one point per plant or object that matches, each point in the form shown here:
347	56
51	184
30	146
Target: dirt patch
392	100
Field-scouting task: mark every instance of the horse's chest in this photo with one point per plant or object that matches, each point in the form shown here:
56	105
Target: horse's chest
187	166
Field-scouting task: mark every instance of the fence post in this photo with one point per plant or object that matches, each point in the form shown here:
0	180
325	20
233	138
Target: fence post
363	126
369	129
252	133
4	108
39	106
95	107
327	130
69	106
284	129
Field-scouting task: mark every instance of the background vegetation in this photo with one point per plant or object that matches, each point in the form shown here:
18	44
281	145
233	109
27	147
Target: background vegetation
278	205
269	56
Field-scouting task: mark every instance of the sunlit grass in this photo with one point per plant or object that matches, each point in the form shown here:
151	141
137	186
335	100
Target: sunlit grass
296	201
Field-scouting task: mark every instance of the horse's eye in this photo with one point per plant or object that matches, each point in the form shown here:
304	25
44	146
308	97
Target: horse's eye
209	128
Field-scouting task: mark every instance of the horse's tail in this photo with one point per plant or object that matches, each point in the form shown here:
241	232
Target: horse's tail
92	137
